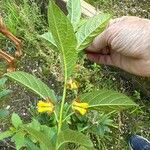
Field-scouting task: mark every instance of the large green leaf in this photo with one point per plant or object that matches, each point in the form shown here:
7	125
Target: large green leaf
64	37
74	11
5	134
40	137
32	83
35	125
47	131
81	23
91	29
48	36
107	100
18	138
74	137
30	145
84	148
16	120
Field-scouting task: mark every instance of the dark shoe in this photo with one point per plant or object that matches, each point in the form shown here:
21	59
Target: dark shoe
137	142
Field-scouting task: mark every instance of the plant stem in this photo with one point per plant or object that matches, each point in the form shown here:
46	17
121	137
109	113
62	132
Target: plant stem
66	112
62	106
61	110
56	116
68	116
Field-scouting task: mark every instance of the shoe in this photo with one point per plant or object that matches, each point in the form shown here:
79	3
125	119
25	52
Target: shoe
137	142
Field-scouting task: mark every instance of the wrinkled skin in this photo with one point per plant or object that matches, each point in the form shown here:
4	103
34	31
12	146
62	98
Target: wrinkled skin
125	43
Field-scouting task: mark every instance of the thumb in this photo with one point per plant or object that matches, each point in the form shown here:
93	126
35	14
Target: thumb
100	58
103	40
99	43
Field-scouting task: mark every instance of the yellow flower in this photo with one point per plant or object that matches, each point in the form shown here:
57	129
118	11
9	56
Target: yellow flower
45	106
80	107
72	84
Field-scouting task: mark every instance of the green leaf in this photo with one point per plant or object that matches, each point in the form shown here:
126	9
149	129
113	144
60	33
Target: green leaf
74	11
74	137
16	121
93	27
35	125
30	145
107	100
2	81
18	138
5	134
40	137
64	37
84	148
49	131
3	113
48	36
81	23
32	83
4	92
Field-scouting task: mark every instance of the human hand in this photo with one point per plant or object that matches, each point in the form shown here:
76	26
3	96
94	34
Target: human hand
125	43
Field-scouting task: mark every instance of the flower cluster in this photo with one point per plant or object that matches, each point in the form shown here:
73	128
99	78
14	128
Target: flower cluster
80	107
47	106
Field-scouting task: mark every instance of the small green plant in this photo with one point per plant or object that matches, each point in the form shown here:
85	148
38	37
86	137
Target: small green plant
68	37
3	93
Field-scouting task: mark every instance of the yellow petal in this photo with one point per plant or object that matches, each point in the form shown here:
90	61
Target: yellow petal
82	111
74	85
45	109
44	104
78	104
